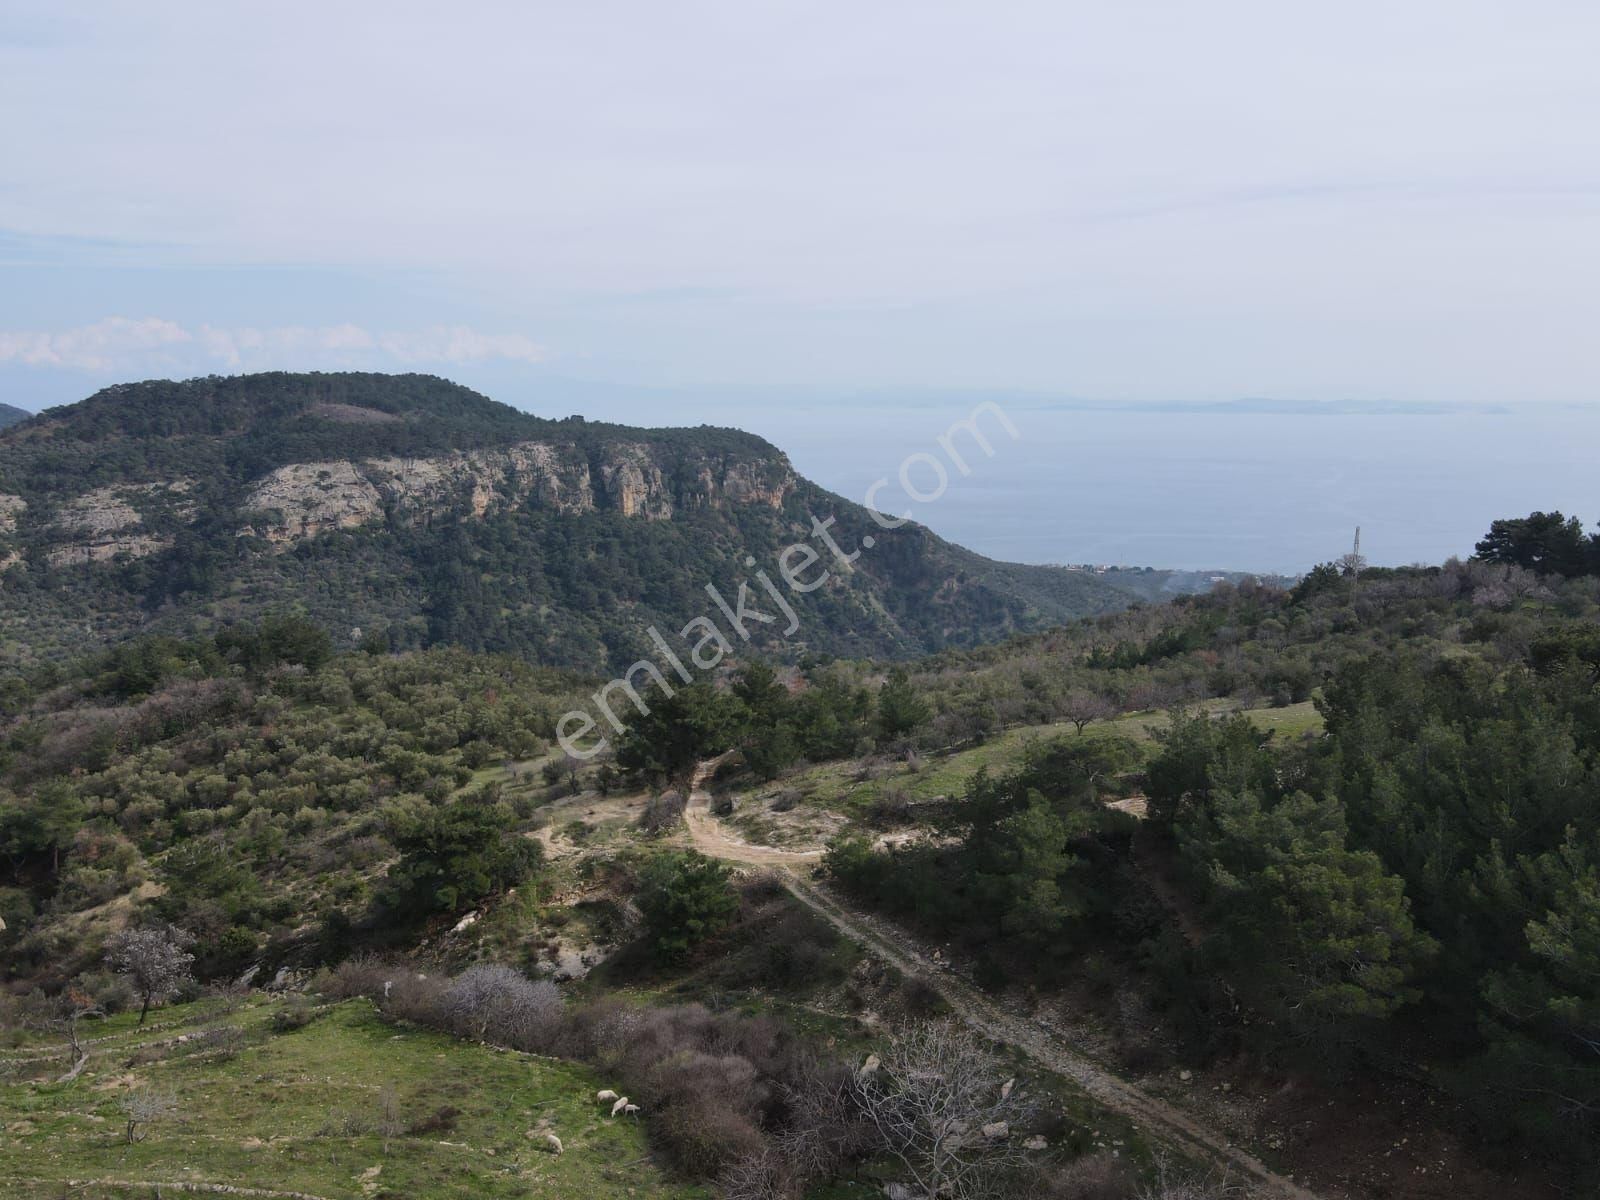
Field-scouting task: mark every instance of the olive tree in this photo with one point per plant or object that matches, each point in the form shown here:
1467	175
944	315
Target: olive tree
1083	708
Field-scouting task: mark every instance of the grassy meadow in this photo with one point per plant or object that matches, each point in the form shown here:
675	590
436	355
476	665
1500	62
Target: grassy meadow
345	1107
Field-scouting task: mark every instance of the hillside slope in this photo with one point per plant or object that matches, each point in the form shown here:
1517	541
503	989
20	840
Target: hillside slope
416	509
11	415
346	1106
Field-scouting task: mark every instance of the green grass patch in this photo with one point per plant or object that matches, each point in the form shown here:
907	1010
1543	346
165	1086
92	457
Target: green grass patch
841	787
347	1106
1294	721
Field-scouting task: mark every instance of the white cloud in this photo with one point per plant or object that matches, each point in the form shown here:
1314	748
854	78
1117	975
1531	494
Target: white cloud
101	346
151	343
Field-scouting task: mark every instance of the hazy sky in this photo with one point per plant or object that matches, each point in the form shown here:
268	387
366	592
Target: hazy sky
1138	201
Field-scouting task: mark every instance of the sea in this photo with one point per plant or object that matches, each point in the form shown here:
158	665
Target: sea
1201	489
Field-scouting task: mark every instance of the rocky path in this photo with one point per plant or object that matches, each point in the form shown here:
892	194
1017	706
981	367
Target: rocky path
711	837
1160	1119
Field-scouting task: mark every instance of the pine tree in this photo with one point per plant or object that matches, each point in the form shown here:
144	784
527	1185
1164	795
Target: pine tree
900	708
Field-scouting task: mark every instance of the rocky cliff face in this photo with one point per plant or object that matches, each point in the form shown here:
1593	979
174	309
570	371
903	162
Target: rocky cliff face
11	507
109	522
486	479
633	484
303	500
746	483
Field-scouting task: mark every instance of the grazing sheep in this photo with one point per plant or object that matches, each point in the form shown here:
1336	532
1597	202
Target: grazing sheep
870	1067
997	1131
1005	1088
619	1106
631	1110
602	1097
552	1144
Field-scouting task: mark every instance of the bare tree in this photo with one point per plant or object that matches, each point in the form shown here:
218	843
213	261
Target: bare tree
145	1105
571	766
493	1002
827	1125
1083	707
760	1175
1172	1182
938	1103
663	812
154	961
65	1015
389	1123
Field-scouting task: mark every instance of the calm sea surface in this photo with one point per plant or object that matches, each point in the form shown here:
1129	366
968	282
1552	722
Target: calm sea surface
1246	491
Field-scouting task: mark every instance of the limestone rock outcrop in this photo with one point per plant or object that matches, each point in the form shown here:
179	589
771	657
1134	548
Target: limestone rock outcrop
11	507
302	500
109	522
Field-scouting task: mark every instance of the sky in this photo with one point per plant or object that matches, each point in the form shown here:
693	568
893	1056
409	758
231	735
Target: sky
1141	202
677	212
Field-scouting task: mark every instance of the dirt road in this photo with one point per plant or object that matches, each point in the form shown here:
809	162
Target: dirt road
1158	1118
712	838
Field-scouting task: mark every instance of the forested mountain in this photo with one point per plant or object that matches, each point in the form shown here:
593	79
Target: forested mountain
414	511
11	415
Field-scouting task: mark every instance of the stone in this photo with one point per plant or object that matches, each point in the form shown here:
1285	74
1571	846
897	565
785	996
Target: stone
105	523
302	500
11	507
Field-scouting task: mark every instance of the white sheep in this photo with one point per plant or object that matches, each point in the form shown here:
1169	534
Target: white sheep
1005	1088
631	1110
621	1104
602	1096
552	1143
